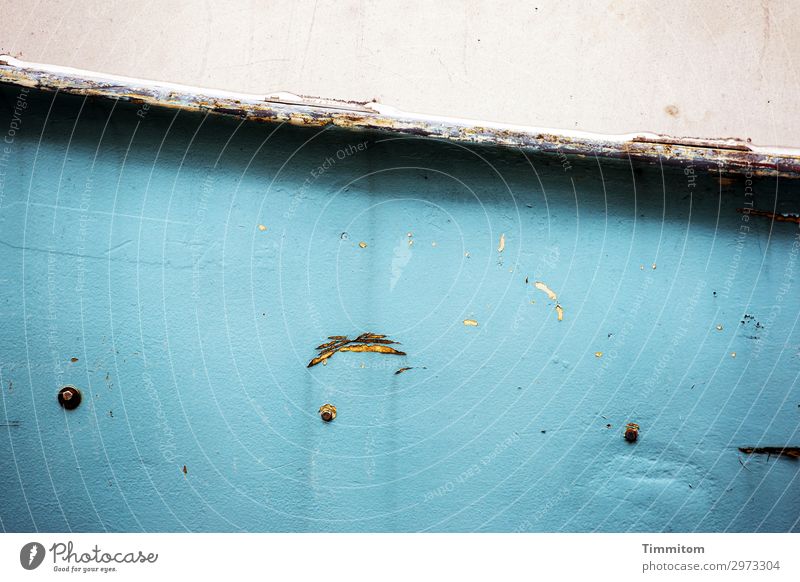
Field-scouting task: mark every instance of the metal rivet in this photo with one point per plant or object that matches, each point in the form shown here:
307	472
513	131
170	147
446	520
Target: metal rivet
327	412
69	397
631	432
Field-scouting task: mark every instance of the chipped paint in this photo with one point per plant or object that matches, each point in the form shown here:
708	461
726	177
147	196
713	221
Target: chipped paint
502	245
372	348
470	322
543	287
723	156
321	358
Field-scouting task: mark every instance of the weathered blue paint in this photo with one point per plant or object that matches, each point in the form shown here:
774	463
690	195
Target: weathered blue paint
129	240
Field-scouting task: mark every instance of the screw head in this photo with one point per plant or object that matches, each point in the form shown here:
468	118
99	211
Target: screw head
327	412
69	397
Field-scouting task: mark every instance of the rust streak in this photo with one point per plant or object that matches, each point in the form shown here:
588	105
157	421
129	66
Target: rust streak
774	216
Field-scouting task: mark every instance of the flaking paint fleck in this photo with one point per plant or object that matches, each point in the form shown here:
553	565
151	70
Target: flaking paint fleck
543	287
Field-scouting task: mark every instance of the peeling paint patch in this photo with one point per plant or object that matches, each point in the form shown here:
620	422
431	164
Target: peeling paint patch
366	342
372	348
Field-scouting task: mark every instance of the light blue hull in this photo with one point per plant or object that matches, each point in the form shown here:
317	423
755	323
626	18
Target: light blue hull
130	242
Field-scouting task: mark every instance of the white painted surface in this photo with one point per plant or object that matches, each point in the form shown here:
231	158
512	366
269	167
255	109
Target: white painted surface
705	69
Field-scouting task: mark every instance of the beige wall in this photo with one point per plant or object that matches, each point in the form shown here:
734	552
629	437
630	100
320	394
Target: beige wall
687	68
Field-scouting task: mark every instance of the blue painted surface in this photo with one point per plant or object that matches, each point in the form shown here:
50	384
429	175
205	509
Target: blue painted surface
129	240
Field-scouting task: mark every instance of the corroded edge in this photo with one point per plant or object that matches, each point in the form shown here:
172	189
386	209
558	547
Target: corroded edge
724	156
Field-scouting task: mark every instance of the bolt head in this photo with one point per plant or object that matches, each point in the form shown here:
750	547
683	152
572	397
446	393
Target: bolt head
327	412
69	397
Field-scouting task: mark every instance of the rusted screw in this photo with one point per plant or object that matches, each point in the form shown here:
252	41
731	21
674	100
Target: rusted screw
69	397
631	432
327	412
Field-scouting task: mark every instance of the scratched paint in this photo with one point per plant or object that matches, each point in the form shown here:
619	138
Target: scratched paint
127	241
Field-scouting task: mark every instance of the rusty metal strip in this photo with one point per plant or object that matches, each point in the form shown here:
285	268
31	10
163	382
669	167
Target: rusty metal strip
718	155
791	452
